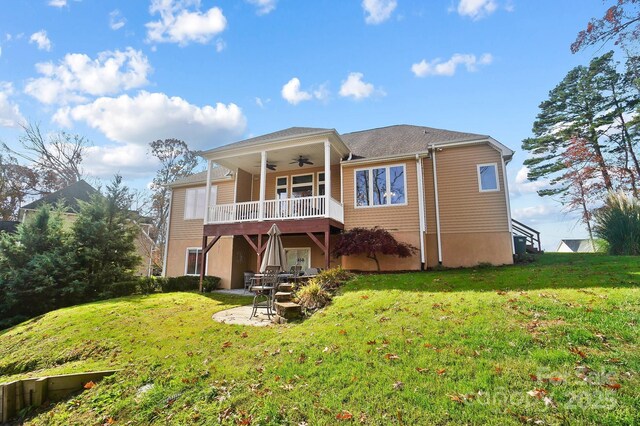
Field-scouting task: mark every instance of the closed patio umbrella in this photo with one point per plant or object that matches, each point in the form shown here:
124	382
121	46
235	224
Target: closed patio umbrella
274	254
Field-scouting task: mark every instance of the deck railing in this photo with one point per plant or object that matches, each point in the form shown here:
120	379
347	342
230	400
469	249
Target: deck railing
280	209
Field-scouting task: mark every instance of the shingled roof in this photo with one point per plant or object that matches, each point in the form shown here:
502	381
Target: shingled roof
401	139
216	173
70	195
280	134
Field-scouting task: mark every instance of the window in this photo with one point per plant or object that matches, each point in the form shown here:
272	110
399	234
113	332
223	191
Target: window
194	202
281	187
488	177
298	256
380	186
193	263
321	183
301	186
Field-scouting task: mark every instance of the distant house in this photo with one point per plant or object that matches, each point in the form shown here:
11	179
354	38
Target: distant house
584	245
9	226
442	191
82	191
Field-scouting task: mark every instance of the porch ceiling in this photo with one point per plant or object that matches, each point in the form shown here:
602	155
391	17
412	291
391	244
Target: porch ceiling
281	158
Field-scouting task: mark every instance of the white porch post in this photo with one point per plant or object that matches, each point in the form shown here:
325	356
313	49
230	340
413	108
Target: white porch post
207	195
327	177
263	178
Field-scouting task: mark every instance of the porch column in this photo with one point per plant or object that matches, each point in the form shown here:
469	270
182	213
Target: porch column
207	195
327	177
263	178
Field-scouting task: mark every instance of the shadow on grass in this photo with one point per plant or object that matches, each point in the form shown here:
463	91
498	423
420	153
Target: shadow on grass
549	271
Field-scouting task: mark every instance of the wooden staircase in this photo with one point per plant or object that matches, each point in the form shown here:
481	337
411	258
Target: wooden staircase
286	310
532	236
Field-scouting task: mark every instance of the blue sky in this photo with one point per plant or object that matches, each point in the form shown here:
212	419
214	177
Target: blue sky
125	73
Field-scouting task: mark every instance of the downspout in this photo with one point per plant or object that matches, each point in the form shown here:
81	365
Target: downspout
437	204
508	201
166	235
421	209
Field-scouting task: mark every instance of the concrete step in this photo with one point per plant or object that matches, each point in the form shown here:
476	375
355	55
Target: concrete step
285	287
288	310
283	296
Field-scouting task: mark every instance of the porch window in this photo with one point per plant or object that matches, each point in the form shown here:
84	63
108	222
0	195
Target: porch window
281	187
194	202
321	183
193	264
380	186
488	177
301	186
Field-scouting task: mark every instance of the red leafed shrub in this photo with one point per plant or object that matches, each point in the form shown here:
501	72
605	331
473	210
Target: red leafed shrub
370	243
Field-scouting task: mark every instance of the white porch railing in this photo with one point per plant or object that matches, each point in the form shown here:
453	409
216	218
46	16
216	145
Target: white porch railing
289	208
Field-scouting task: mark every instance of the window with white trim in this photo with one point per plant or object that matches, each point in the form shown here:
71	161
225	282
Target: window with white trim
488	177
320	183
195	200
193	262
380	186
281	187
301	186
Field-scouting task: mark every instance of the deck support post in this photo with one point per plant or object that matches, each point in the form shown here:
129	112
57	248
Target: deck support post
203	256
327	236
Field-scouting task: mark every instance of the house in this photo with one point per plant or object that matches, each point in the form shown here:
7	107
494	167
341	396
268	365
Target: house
444	192
9	226
584	245
70	197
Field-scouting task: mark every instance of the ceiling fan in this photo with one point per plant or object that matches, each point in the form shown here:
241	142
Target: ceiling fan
270	166
301	160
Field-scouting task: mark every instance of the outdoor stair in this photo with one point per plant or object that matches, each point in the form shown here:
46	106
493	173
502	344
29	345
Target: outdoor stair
283	296
286	311
285	287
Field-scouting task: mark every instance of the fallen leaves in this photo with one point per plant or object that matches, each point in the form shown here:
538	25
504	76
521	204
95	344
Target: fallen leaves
344	415
89	385
422	370
390	356
441	372
613	386
578	352
398	385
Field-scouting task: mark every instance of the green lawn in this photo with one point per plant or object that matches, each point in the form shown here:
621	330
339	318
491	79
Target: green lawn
554	341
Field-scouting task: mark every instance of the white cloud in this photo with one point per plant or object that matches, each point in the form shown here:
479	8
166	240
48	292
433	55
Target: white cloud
116	20
58	3
129	160
448	68
151	116
291	92
523	185
264	7
179	25
538	213
476	9
322	93
220	45
40	38
262	102
77	75
378	11
10	115
356	88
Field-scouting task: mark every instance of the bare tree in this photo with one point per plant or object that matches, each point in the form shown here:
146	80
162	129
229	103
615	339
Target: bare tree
176	160
56	157
16	183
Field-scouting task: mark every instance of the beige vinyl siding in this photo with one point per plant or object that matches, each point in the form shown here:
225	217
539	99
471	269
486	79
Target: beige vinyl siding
243	188
187	229
270	188
393	218
463	208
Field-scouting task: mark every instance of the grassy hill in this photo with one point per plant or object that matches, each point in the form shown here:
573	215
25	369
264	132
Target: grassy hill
554	341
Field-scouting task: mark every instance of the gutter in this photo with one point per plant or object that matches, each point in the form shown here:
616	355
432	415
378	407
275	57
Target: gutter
437	205
421	209
166	238
508	201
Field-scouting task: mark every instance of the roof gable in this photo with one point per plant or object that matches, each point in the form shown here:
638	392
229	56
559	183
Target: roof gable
70	195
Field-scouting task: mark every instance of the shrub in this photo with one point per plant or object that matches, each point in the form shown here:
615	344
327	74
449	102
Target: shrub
312	296
189	283
371	243
333	278
148	285
120	289
618	223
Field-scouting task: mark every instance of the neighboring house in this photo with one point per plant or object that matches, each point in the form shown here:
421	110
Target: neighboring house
82	191
9	226
444	192
576	246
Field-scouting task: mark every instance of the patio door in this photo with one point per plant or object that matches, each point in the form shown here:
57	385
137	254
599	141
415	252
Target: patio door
298	256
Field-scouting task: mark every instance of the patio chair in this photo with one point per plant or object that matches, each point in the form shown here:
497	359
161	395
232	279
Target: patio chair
264	287
247	280
295	271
